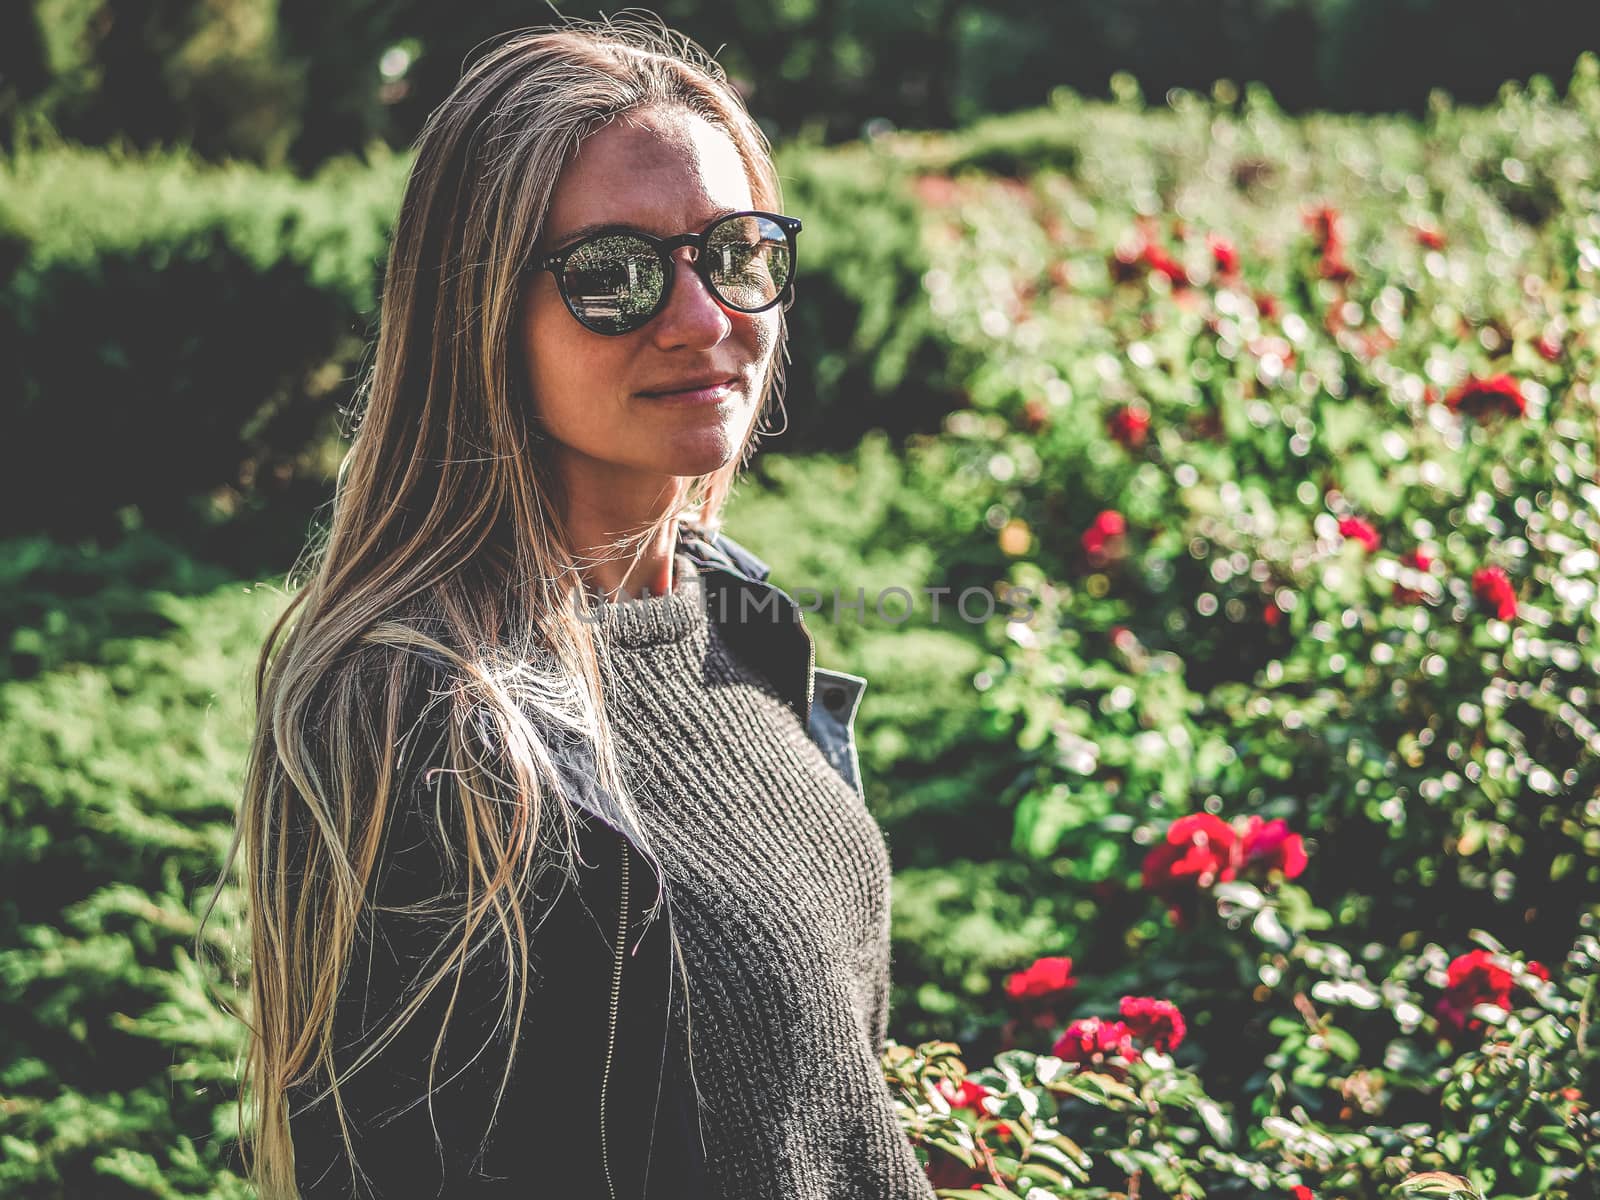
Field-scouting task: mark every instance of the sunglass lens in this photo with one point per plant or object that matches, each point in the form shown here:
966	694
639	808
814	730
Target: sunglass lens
614	283
748	260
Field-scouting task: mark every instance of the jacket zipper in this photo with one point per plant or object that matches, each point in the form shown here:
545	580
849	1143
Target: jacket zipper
611	1042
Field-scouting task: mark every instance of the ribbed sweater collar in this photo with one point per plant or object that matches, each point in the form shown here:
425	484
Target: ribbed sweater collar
640	621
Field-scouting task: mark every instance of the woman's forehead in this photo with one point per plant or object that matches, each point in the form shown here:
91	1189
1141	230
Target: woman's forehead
661	172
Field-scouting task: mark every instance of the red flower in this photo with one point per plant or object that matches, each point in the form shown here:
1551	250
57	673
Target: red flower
1303	1193
1133	260
1104	535
1493	589
966	1095
1091	1041
1273	846
1417	561
1046	978
1548	346
1035	414
1362	531
1199	851
1224	255
1129	426
1479	975
1430	237
1537	969
1267	305
1271	613
1162	263
1472	979
1324	225
1483	398
1157	1023
1334	267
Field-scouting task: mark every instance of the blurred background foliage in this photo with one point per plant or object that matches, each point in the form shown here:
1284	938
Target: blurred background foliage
1202	372
296	82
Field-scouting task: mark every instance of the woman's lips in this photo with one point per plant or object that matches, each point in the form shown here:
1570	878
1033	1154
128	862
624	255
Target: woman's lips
716	394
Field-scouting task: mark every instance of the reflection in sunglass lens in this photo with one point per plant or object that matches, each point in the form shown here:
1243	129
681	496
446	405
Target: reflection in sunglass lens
614	282
748	260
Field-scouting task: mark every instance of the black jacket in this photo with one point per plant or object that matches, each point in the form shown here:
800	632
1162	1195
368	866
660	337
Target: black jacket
547	1137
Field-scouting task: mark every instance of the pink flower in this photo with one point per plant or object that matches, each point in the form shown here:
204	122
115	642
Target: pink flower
1157	1023
1045	978
1273	846
1358	529
1493	590
1482	398
1091	1041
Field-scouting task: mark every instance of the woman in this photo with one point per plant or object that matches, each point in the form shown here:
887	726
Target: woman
558	882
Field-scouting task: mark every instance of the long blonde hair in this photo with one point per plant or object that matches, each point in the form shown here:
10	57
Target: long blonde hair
446	548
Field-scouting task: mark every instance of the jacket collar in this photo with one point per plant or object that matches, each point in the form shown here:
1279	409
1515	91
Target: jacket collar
757	618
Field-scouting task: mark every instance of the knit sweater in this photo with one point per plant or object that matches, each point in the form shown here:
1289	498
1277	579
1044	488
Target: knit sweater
780	878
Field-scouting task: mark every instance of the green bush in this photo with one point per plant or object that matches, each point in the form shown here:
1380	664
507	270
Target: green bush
1209	436
166	330
1364	985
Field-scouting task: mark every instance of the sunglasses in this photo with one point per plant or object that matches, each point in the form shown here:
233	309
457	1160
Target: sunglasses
614	282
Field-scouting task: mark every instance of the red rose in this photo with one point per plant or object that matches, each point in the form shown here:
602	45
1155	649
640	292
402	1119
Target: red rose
1157	1023
1047	977
1272	846
1430	237
948	1171
1417	561
967	1095
1483	398
1493	590
1133	260
1091	1041
1102	538
1472	979
1324	225
1271	613
1537	969
1198	851
1162	263
1224	255
1478	975
1129	426
1362	531
1334	267
1303	1193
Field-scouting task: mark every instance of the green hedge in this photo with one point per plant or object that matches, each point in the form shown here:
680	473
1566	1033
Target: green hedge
170	331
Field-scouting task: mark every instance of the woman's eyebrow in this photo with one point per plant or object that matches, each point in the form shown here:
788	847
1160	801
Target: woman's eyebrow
584	231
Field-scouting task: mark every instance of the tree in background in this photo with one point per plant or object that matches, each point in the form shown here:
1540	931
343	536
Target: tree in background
301	81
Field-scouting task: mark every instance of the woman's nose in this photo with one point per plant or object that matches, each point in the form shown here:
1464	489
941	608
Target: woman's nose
692	315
